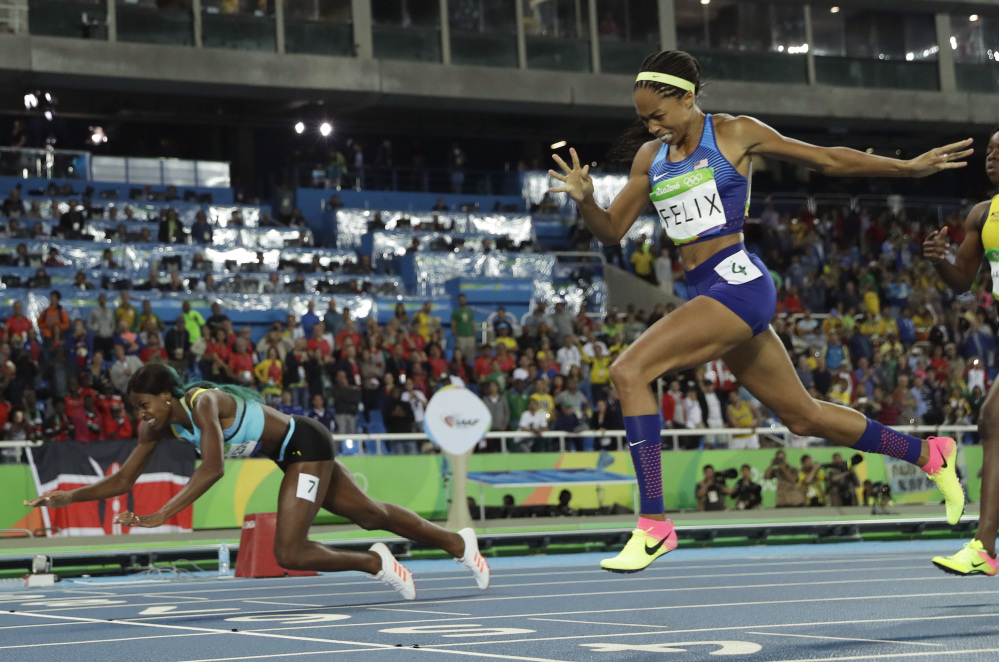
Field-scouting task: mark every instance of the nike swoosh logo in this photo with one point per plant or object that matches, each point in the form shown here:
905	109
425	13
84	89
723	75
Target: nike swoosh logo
652	550
643	441
656	179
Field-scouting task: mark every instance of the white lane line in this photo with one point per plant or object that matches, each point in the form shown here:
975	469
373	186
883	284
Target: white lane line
614	580
418	611
368	650
714	629
269	635
273	656
665	571
110	641
888	656
670	607
283	604
620	625
815	636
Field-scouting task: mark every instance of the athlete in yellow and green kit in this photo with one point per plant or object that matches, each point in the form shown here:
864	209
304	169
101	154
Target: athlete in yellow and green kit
981	241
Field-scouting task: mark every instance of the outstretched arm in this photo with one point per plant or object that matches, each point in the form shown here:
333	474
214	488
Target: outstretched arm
205	414
607	225
118	483
754	137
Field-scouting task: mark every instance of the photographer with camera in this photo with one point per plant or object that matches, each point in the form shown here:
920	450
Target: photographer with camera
711	491
842	481
747	494
810	479
789	494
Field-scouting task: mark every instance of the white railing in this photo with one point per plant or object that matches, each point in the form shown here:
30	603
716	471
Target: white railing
777	432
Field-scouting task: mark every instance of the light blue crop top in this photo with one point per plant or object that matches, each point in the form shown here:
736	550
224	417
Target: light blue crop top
241	439
702	196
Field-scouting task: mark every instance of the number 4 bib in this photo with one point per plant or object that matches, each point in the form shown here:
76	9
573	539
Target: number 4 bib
689	205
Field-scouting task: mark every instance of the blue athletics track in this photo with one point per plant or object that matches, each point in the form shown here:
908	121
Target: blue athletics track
847	601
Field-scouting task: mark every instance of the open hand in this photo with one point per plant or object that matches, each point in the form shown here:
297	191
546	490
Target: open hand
128	518
578	184
936	245
940	158
55	499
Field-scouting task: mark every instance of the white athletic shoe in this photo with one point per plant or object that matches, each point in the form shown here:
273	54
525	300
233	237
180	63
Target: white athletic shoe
473	560
394	573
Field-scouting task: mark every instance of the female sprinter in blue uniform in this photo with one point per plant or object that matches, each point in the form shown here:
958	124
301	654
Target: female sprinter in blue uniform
227	421
981	242
696	172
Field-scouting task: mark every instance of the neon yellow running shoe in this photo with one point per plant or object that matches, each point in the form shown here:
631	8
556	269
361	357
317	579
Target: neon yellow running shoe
641	550
972	560
942	470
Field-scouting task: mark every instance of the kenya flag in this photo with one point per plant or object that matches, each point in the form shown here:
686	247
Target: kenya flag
67	465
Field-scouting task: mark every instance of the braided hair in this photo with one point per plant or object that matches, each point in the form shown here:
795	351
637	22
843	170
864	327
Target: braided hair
673	63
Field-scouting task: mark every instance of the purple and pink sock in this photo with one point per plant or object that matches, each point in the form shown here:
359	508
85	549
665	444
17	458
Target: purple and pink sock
646	454
884	441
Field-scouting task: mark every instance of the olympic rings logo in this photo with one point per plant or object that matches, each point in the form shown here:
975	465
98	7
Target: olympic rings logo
693	180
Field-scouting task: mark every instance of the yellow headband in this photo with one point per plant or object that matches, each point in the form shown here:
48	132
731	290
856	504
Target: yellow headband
667	79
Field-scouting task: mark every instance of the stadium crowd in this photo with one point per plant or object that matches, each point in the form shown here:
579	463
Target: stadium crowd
862	315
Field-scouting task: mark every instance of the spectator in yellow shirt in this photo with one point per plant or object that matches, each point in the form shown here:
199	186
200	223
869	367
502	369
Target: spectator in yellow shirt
424	322
505	338
546	402
126	312
872	302
644	262
599	371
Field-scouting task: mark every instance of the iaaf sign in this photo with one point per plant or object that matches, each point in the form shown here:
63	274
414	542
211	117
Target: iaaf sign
456	419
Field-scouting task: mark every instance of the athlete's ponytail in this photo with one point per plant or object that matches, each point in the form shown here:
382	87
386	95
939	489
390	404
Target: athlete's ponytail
676	64
156	378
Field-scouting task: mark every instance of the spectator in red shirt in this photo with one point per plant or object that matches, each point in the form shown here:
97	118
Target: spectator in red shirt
792	302
348	332
17	325
113	420
412	342
88	427
320	340
483	363
436	363
154	352
241	364
939	363
507	361
890	410
419	379
459	366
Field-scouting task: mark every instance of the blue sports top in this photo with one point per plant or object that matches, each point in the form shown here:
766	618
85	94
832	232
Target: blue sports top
701	197
241	439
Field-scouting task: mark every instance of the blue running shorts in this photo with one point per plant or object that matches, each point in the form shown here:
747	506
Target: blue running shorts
739	281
